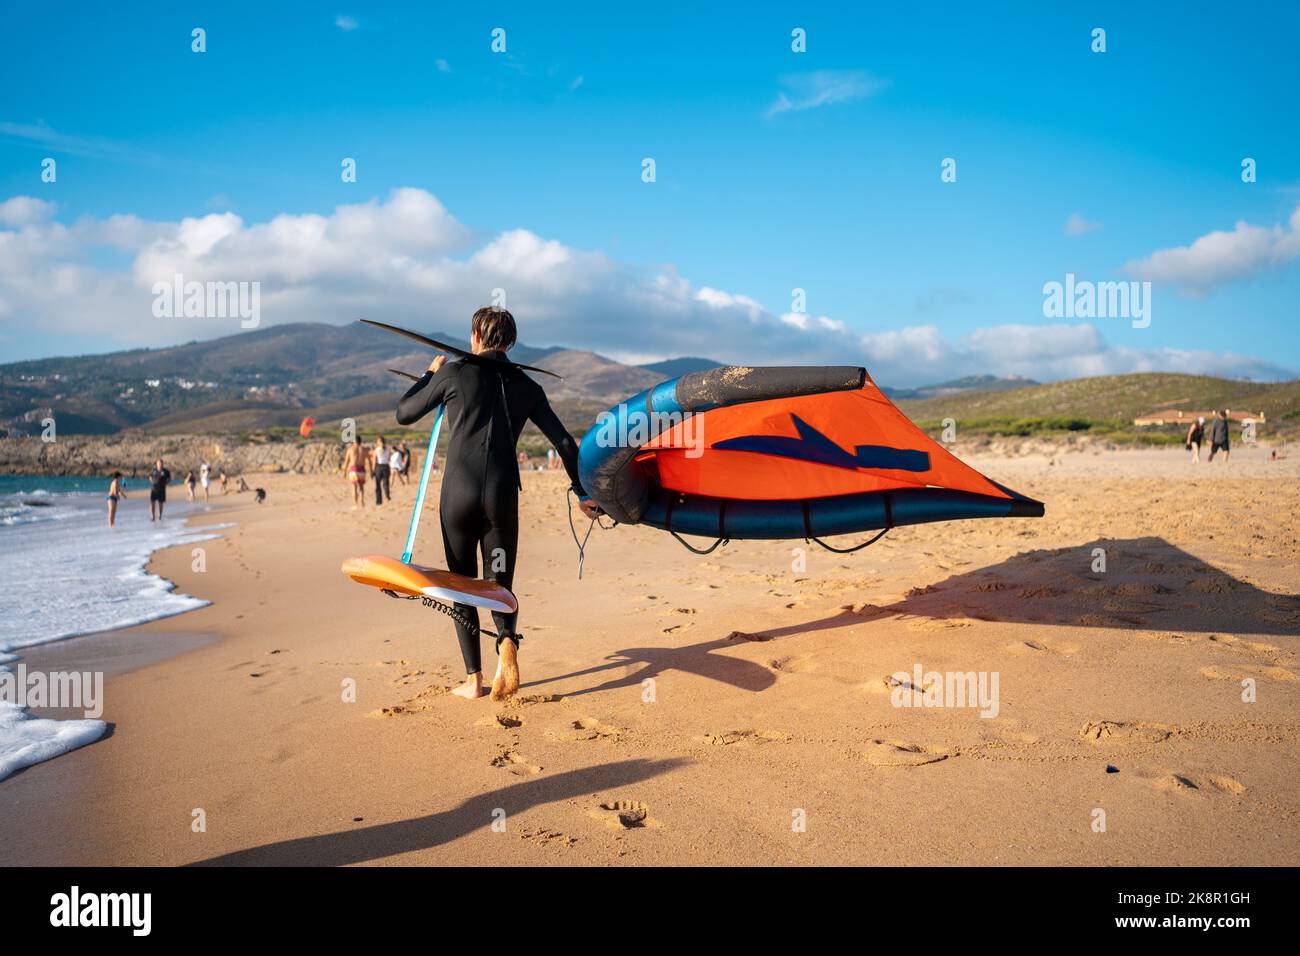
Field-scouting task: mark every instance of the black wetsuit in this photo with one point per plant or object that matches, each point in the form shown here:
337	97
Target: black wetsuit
487	407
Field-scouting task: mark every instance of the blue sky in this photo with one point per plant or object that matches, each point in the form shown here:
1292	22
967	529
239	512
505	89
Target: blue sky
534	157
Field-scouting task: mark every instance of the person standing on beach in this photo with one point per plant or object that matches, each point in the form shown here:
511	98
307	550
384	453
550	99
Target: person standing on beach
116	489
190	482
158	481
395	463
1195	435
406	461
354	467
1219	435
205	479
487	403
381	471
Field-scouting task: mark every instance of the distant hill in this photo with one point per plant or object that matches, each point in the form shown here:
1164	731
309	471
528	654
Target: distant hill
672	368
1108	404
971	383
270	379
258	379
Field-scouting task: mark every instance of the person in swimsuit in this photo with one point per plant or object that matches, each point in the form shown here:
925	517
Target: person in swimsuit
159	478
354	467
190	482
205	478
1195	435
487	405
116	489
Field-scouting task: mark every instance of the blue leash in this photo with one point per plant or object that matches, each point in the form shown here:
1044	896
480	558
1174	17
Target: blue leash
424	484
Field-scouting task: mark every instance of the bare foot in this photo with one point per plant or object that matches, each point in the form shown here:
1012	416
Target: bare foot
506	681
472	689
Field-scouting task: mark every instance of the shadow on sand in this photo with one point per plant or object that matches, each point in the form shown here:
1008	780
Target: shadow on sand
421	833
1148	584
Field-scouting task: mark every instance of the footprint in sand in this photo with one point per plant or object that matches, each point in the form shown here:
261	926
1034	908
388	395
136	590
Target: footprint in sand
1205	783
744	737
745	636
945	623
529	700
1233	643
499	721
793	665
624	815
866	611
547	837
896	753
515	763
419	704
585	728
1119	731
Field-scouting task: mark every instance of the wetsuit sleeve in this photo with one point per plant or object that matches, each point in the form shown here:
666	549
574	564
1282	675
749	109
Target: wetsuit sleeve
544	417
425	395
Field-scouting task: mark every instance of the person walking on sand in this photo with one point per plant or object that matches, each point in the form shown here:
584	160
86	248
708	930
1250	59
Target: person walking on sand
1195	435
486	404
354	467
158	481
1219	435
205	478
380	469
190	482
116	489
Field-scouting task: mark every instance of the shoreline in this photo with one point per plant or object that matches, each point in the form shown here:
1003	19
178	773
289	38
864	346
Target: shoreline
769	692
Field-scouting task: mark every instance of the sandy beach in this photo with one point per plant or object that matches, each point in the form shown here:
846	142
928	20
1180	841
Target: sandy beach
730	709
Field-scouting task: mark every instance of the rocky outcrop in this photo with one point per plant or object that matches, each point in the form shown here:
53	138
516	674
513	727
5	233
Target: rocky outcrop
135	455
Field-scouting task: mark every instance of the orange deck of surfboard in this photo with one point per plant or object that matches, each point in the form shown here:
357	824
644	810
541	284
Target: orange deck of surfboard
390	574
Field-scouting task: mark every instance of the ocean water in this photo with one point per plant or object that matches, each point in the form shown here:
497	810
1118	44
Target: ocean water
64	572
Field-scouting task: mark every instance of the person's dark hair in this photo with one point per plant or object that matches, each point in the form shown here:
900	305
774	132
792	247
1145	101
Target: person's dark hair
495	328
117	474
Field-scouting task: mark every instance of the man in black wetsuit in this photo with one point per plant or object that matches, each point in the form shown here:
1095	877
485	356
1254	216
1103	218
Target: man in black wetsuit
487	404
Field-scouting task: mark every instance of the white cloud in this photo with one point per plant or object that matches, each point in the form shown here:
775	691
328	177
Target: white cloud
25	211
577	82
345	22
407	259
1077	225
806	91
1220	257
442	65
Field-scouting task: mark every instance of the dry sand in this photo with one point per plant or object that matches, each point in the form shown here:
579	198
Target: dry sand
769	701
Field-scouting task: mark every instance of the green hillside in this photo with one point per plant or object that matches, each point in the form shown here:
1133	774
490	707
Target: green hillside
1107	405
